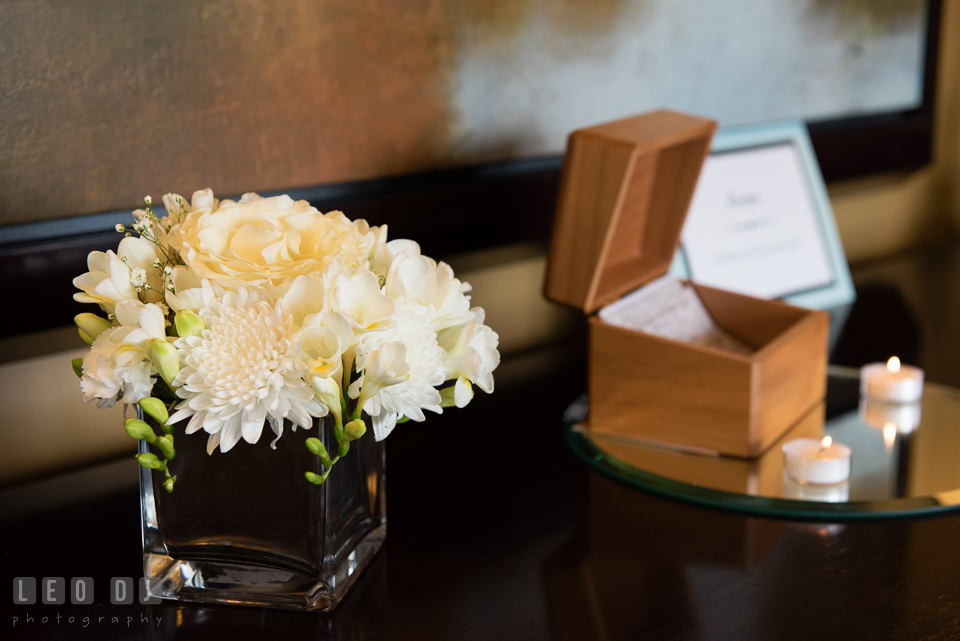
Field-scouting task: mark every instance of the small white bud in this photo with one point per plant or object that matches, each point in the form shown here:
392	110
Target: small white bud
120	228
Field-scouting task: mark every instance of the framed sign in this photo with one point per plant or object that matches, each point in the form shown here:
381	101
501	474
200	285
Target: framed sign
760	222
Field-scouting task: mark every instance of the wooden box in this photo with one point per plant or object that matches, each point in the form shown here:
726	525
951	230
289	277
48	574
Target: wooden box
624	194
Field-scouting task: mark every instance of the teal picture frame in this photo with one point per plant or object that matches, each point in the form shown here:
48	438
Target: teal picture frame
840	293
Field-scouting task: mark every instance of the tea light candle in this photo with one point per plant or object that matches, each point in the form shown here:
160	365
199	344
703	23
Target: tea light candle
879	414
820	462
891	382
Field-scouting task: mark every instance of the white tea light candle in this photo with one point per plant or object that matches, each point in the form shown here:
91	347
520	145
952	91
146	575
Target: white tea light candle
823	462
891	382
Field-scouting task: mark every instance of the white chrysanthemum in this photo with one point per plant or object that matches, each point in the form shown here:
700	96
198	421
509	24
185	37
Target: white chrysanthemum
422	355
241	372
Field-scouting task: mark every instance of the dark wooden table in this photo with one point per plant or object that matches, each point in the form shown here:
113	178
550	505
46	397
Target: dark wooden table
496	531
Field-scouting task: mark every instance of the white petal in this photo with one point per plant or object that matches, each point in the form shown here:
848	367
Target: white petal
230	434
212	442
251	428
462	393
276	425
383	425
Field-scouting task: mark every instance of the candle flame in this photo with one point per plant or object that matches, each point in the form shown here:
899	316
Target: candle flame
889	434
826	442
893	365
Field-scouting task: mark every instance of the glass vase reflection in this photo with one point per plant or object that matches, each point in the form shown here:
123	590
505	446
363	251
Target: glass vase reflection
245	527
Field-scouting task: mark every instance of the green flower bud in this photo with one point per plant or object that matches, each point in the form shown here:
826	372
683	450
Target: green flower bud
188	323
77	367
165	444
446	397
325	461
150	461
354	429
91	325
139	430
168	484
154	408
316	447
316	479
344	448
86	339
165	358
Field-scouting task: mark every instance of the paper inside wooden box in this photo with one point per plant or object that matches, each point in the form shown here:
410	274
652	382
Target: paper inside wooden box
669	308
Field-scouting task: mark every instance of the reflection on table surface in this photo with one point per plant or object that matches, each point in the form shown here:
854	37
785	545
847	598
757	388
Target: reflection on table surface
898	452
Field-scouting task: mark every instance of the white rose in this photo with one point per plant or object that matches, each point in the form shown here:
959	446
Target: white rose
267	241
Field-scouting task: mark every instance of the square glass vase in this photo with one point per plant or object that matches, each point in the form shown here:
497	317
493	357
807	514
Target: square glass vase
245	527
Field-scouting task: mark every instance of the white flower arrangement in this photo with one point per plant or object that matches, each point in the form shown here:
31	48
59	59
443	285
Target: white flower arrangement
231	315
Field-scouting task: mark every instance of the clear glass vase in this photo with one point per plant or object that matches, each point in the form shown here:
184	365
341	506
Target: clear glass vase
246	528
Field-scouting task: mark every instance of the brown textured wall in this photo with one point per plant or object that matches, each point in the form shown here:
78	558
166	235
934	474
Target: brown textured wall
105	101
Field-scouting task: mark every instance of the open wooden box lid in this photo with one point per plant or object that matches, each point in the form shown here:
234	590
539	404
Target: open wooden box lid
624	194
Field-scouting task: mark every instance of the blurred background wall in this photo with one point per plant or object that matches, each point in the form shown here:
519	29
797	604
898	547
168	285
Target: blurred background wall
104	102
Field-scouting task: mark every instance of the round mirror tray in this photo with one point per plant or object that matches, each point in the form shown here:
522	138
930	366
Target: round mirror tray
905	460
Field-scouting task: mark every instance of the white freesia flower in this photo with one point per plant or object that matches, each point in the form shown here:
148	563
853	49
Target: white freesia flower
304	296
322	350
421	354
383	367
189	292
139	323
114	277
242	371
359	299
471	357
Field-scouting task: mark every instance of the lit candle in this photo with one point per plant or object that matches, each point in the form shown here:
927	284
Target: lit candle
878	414
891	382
823	462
